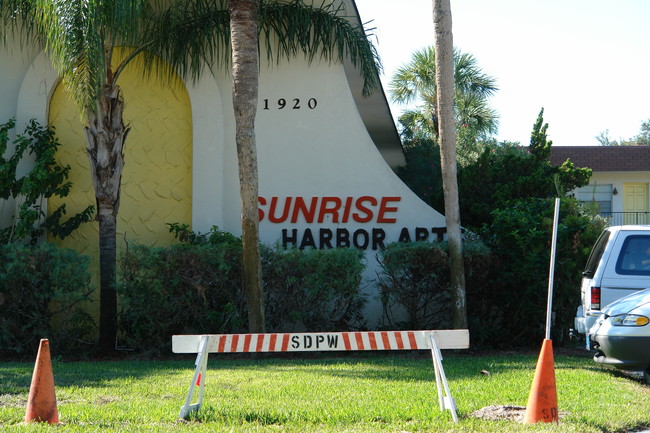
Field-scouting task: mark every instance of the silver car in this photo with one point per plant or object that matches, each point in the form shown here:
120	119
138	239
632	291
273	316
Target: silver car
621	334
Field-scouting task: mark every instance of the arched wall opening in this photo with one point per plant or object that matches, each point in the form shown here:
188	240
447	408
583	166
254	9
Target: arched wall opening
157	175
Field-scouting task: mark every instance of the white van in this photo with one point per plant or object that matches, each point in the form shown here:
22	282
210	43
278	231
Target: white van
618	265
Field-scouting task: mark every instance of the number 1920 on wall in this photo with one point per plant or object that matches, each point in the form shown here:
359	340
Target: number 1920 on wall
293	104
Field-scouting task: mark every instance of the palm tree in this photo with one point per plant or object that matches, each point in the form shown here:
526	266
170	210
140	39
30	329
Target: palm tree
444	77
287	29
245	84
417	81
83	38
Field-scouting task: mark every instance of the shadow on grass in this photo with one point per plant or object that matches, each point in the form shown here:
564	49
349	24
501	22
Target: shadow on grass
16	377
409	367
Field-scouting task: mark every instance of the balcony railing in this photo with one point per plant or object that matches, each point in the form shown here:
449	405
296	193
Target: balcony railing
621	218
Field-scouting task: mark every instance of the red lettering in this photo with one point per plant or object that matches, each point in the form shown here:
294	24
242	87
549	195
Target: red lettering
383	208
364	210
334	210
285	211
348	208
300	206
260	212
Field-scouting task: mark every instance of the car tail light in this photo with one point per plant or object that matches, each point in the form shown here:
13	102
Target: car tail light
595	298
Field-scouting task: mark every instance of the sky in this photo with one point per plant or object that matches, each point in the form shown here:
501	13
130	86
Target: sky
586	62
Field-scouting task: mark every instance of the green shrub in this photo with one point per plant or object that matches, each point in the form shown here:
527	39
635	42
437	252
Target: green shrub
505	173
512	309
414	282
313	290
182	289
46	178
41	291
195	287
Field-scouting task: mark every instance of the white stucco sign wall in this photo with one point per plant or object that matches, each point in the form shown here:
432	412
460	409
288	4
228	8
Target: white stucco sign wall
324	182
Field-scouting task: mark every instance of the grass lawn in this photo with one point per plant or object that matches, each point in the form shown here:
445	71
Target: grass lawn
369	393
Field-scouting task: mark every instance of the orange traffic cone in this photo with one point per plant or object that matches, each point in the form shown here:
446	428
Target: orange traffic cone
542	400
41	404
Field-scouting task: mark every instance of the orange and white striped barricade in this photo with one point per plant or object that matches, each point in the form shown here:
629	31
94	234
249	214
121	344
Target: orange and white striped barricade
319	342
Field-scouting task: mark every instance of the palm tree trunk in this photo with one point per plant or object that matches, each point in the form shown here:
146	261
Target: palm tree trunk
105	137
107	291
447	136
244	41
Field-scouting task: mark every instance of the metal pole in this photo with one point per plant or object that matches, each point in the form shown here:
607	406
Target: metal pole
549	304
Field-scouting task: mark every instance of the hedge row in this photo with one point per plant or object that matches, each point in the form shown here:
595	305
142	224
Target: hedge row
42	290
195	287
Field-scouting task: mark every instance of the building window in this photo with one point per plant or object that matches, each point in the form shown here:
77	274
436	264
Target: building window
600	194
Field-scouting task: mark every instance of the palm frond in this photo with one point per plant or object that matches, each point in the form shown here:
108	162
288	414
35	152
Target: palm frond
322	32
17	20
472	109
73	45
470	78
417	79
195	33
417	124
121	20
78	36
190	35
81	36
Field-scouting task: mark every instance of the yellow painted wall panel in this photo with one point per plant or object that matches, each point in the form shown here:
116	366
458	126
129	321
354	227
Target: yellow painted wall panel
157	175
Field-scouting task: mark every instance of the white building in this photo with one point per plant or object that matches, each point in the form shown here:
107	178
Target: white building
326	155
619	183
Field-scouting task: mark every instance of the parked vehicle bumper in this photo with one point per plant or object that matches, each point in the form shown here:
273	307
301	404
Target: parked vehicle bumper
624	352
579	322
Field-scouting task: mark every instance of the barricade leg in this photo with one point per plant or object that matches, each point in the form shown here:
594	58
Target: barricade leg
198	380
444	400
